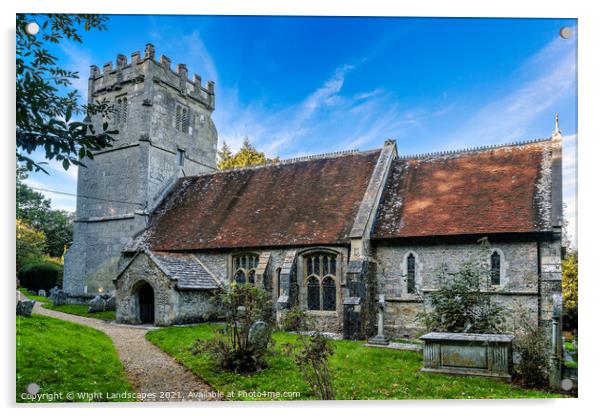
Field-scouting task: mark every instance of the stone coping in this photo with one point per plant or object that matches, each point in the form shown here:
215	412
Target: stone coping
452	336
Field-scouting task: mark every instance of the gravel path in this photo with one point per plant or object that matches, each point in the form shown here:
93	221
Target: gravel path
154	374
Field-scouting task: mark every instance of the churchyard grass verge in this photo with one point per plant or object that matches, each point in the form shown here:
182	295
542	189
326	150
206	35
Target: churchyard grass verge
39	299
81	310
66	358
358	372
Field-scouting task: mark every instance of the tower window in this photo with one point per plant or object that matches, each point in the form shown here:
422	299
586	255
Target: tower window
411	272
495	268
180	154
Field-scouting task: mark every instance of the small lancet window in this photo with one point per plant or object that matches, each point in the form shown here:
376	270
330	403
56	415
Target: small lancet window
411	273
180	157
495	268
313	294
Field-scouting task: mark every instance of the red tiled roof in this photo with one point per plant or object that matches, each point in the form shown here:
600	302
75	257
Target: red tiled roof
303	203
497	190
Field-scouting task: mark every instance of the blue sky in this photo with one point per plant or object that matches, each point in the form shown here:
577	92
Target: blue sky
304	85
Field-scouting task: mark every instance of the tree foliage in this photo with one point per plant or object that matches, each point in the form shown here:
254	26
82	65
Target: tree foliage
463	301
35	210
246	156
570	289
46	105
31	244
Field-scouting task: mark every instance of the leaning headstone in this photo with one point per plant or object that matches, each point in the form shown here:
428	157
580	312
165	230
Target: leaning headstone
96	305
111	304
42	292
32	292
259	335
59	297
24	307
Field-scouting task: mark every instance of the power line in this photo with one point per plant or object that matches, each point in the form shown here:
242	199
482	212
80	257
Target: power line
85	196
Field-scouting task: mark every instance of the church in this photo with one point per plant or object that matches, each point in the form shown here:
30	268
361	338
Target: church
161	228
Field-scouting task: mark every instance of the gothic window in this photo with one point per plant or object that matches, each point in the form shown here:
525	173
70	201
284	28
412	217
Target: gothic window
243	267
182	118
411	273
313	294
495	268
278	280
320	275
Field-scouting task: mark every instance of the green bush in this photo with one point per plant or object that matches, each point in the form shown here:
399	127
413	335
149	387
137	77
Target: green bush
41	275
295	319
234	350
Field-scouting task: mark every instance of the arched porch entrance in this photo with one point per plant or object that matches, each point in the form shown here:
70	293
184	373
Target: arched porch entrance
146	304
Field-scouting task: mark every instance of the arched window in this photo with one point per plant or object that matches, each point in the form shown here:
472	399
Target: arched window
313	294
411	273
495	268
278	280
320	277
243	267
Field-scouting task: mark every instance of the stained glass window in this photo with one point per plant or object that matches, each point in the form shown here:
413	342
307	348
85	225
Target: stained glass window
495	268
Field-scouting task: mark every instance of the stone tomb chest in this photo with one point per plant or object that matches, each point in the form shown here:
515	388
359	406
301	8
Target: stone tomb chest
468	354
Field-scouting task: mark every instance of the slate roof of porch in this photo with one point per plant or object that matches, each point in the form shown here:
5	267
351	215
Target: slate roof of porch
187	269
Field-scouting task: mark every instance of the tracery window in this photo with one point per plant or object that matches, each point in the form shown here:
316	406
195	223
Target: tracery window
411	273
243	267
495	268
320	277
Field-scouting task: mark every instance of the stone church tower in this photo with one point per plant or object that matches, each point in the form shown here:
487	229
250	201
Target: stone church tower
165	132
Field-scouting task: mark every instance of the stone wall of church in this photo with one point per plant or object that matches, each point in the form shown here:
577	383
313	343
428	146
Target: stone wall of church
220	264
518	284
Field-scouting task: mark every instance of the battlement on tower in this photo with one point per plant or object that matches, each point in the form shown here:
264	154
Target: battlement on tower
144	68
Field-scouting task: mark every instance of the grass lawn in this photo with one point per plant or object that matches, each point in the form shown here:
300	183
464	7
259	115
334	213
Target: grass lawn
359	373
82	310
63	357
40	299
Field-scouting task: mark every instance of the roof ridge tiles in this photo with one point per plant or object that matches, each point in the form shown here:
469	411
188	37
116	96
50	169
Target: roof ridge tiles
473	149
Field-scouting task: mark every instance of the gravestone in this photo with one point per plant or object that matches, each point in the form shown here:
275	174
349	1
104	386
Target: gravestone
96	305
380	338
259	335
58	297
25	307
42	292
111	303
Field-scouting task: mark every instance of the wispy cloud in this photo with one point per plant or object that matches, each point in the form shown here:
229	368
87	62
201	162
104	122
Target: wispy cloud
327	119
542	82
